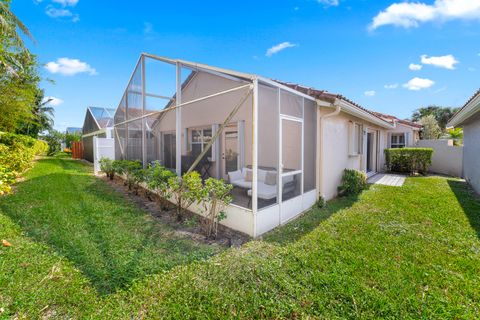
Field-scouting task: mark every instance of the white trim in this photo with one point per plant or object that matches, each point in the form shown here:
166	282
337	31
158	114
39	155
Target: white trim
468	111
178	120
285	88
291	173
255	154
104	130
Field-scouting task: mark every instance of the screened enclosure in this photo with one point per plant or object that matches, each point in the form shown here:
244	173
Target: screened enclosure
253	132
96	120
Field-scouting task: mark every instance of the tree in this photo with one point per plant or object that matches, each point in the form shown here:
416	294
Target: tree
431	129
456	134
441	114
41	119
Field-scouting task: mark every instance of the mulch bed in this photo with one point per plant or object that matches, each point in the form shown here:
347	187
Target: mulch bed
190	226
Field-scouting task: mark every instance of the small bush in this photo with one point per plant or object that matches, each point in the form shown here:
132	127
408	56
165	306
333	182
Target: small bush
217	198
185	191
133	171
106	165
409	160
353	182
156	177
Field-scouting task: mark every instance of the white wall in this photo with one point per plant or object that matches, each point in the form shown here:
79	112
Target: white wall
447	158
413	135
336	153
471	152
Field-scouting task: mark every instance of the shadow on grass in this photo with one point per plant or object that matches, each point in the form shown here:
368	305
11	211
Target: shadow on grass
109	239
469	200
306	223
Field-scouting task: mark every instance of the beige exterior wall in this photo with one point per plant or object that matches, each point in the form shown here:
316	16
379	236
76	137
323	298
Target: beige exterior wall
336	156
414	135
447	158
471	152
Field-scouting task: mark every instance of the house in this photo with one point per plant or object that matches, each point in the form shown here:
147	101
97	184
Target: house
405	134
98	123
73	130
281	145
468	117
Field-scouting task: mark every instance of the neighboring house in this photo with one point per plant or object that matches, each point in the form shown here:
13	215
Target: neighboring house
468	117
281	145
98	123
73	130
405	134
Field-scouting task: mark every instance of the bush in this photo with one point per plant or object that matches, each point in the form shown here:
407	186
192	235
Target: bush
156	177
217	197
106	166
353	182
7	178
133	171
409	160
185	191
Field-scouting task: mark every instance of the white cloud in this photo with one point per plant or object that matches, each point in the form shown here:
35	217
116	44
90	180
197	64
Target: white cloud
65	3
447	62
411	14
53	101
329	3
279	47
58	13
370	93
69	67
416	84
391	86
415	67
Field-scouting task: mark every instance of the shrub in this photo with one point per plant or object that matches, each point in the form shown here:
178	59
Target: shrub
217	197
157	177
106	165
7	178
185	191
409	160
133	171
353	182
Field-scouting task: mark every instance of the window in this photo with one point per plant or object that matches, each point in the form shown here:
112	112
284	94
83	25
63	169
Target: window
397	140
356	139
169	150
200	139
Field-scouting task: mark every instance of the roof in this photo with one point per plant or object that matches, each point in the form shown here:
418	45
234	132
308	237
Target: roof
469	109
331	97
103	116
73	130
394	119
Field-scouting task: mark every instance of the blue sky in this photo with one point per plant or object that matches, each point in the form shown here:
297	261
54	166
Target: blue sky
389	56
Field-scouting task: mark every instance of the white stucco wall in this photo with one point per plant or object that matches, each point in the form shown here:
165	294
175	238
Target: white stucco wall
471	152
336	151
413	135
447	158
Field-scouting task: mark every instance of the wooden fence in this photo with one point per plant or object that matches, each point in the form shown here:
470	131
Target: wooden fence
77	150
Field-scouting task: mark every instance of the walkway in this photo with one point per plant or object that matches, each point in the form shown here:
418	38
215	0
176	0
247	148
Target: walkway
394	180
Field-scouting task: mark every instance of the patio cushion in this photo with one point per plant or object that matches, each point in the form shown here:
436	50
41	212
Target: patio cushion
235	175
248	176
242	183
271	178
265	191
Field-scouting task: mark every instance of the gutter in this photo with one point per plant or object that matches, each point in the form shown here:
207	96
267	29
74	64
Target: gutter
320	120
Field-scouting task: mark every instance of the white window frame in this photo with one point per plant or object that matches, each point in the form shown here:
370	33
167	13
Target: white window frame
398	144
202	141
355	139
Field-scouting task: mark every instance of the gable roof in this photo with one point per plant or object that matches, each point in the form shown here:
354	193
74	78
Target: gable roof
103	116
393	119
468	110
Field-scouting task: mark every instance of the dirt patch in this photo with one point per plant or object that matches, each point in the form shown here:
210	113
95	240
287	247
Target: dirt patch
189	227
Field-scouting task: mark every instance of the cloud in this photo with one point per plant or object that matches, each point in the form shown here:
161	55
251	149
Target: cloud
53	101
58	13
447	62
415	67
66	3
391	86
329	3
416	84
370	93
279	47
412	14
69	67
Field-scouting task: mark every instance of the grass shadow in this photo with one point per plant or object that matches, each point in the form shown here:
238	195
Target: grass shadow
111	240
469	200
301	226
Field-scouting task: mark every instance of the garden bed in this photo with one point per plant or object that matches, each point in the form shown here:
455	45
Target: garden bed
191	224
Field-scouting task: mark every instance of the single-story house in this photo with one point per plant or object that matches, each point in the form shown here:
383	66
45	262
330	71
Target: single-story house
98	123
281	145
405	134
468	117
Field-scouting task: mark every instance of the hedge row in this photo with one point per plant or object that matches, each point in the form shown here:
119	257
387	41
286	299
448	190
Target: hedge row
409	160
16	155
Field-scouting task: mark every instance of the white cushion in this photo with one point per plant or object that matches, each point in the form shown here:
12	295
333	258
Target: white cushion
262	174
242	183
265	191
235	175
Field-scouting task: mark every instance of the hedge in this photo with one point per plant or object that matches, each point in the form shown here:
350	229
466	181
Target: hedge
16	155
353	182
409	160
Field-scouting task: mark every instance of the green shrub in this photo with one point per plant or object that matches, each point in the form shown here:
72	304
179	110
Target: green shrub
185	191
133	171
156	177
106	166
409	160
216	198
353	182
7	178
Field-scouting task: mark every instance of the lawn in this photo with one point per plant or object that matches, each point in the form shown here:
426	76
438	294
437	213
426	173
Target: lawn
409	252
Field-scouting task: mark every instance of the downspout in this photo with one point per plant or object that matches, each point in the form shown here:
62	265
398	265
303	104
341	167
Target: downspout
337	110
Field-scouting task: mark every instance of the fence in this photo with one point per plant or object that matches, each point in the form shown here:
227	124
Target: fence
102	148
77	150
447	158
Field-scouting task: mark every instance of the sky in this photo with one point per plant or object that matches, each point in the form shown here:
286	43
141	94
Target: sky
388	56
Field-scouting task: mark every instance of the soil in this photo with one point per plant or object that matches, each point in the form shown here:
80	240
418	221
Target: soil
190	226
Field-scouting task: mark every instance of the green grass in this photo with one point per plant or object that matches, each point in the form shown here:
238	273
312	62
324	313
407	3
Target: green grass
409	252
